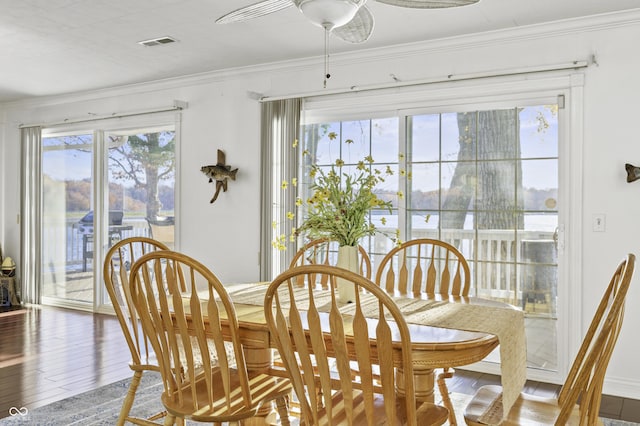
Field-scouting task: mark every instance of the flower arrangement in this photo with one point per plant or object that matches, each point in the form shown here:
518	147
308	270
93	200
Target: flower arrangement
339	204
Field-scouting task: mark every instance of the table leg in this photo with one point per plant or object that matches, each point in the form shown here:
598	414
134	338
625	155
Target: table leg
259	360
423	383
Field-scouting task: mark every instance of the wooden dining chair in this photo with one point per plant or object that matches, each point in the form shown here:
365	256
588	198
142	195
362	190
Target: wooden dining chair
430	266
188	315
311	341
117	265
578	402
325	252
424	265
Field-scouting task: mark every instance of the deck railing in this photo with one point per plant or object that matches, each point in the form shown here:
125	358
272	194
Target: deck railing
513	267
69	236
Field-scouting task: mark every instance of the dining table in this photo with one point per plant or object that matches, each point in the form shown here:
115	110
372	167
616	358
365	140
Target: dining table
446	331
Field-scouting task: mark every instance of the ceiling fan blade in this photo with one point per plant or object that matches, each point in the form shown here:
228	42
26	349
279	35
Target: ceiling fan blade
428	4
359	29
254	11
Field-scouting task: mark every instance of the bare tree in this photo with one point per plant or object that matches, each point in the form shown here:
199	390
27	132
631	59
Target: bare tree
146	159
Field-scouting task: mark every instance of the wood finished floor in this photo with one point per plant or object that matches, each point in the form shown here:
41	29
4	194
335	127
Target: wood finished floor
49	354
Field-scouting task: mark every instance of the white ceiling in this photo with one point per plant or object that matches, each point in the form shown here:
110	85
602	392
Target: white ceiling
49	47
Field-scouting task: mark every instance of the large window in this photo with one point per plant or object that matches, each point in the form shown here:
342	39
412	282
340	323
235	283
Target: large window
484	180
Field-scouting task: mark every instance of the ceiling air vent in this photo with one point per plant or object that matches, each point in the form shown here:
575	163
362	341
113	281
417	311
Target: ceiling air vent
157	41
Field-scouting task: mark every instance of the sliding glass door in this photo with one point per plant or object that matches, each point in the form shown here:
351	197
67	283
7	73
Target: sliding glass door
99	187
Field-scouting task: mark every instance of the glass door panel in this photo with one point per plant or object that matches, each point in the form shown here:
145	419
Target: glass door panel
67	231
141	184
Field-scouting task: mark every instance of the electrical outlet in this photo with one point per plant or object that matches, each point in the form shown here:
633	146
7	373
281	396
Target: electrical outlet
599	222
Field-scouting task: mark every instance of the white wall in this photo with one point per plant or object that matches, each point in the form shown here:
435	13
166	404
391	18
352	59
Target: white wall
222	114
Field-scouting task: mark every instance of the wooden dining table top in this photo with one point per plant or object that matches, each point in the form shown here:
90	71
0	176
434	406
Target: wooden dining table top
424	338
446	331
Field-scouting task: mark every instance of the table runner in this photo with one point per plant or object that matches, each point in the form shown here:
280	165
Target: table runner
505	323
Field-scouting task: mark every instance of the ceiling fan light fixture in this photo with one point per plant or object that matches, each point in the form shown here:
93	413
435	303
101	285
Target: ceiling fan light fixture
329	14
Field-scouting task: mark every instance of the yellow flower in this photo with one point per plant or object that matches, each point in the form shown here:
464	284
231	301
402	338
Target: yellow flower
349	141
295	143
389	170
400	195
403	172
383	220
274	224
305	152
409	175
339	204
401	156
294	181
332	135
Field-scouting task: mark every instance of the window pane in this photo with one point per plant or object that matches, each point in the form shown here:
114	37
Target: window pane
425	137
67	220
141	168
320	147
355	141
384	140
539	131
540	184
424	187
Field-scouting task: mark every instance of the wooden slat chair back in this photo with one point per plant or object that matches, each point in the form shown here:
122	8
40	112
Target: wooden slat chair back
116	268
430	266
187	315
425	265
323	251
310	342
578	402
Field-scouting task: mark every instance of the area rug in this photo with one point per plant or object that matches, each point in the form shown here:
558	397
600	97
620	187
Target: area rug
102	407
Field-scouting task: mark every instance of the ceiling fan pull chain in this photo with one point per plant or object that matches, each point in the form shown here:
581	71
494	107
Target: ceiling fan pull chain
326	56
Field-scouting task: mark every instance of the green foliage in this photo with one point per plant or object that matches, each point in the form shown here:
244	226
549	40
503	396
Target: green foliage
339	206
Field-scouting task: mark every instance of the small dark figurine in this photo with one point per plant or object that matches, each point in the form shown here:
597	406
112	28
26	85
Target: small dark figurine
220	173
633	172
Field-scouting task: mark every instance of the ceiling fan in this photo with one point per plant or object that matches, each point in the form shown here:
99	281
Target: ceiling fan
349	20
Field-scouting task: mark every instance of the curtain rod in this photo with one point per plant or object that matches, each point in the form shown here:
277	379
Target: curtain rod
451	77
177	106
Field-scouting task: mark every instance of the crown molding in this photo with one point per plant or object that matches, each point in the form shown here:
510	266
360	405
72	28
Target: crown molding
548	30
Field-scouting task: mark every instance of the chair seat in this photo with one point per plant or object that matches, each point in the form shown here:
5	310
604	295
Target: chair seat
262	388
528	410
427	413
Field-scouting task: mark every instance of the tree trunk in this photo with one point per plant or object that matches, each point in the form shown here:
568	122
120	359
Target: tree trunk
494	137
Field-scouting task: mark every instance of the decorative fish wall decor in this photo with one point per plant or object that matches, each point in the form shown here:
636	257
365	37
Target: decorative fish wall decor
633	172
221	173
